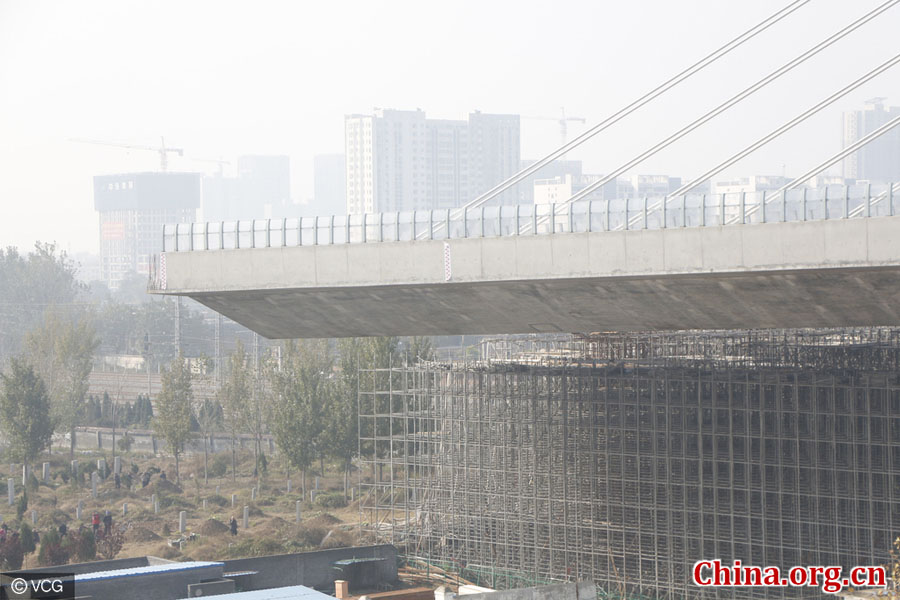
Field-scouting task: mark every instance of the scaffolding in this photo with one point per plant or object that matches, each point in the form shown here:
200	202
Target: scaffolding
629	460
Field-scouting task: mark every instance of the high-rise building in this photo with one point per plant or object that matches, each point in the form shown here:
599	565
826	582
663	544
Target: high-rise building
133	208
556	169
399	160
879	160
329	185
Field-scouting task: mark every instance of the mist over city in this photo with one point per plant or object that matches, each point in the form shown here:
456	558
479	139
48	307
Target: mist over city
408	301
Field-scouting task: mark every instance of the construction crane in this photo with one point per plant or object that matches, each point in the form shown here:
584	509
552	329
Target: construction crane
163	150
563	123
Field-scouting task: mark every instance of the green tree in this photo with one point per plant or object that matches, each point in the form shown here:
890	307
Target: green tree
62	350
24	412
173	408
302	387
233	392
419	348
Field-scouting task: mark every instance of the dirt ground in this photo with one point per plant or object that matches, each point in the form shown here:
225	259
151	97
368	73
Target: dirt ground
326	523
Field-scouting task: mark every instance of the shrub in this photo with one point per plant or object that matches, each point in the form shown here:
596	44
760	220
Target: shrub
135	469
11	555
109	545
218	500
125	442
52	552
81	545
331	500
33	483
22	505
263	463
26	538
218	466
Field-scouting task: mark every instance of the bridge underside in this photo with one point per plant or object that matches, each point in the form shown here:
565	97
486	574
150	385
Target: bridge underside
837	297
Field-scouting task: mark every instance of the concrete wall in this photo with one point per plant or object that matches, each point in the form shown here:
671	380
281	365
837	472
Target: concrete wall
312	569
583	590
800	274
100	565
101	438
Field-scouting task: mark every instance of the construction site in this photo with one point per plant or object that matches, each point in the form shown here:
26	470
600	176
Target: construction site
626	458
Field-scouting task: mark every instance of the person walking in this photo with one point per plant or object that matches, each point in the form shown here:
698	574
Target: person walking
95	522
118	481
107	523
233	525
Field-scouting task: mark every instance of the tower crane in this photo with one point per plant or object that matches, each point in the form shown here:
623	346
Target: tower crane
563	123
163	150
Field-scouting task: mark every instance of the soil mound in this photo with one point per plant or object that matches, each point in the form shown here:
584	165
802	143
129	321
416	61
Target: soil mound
213	527
142	534
161	486
324	520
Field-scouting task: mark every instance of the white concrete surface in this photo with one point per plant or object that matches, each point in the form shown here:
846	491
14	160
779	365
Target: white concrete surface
796	274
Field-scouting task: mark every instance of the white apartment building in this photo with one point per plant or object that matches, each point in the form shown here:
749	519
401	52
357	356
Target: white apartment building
399	160
879	160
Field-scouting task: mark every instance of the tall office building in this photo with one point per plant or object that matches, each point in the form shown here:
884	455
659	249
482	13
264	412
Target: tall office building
878	160
399	160
133	208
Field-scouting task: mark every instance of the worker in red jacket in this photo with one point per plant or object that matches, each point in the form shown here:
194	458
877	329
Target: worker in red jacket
95	522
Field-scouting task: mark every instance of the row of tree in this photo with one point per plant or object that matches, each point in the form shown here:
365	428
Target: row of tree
303	392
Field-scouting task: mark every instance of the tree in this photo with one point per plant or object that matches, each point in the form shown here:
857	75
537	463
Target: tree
62	350
419	348
173	408
28	284
232	394
210	418
24	412
302	387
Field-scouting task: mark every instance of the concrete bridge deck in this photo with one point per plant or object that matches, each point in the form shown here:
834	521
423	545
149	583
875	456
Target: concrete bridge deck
825	273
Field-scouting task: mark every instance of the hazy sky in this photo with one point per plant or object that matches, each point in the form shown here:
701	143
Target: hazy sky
221	79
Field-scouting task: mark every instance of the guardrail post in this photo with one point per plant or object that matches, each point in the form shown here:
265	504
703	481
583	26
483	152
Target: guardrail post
364	232
448	223
517	219
645	212
347	228
702	211
722	209
684	210
431	224
413	226
482	220
315	231
191	237
608	226
891	200
397	225
846	201
743	210
253	233
534	219
803	204
665	205
331	230
268	233
763	205
590	213
237	235
465	217
553	217
868	199
571	221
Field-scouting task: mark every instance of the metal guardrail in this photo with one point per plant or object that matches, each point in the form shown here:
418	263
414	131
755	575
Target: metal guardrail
692	210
